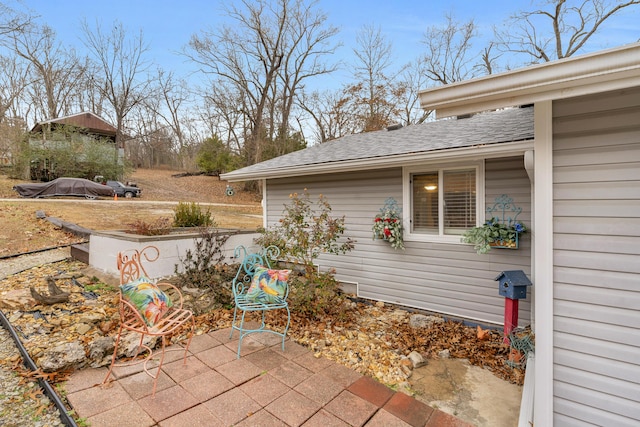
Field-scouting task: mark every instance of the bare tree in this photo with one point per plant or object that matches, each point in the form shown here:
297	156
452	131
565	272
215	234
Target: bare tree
411	80
374	84
449	57
247	57
222	117
13	81
91	91
308	40
121	61
11	21
169	103
332	114
13	74
558	29
152	143
263	58
56	72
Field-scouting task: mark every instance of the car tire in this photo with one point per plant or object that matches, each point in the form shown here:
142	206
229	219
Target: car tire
128	194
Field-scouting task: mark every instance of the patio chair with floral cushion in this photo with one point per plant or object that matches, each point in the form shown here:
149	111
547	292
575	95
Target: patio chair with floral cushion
150	310
258	287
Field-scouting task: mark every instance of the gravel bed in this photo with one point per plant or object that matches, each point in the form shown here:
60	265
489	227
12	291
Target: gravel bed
20	263
22	402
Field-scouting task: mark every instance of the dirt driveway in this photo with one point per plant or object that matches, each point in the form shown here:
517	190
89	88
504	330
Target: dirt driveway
22	231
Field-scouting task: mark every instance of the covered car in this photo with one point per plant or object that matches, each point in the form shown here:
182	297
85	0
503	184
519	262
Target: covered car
64	187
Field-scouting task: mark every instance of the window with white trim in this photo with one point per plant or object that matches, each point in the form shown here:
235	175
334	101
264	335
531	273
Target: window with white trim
442	202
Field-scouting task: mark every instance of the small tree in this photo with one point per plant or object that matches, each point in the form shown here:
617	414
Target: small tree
215	157
303	233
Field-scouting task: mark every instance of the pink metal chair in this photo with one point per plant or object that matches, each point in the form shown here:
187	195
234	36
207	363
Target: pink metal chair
173	320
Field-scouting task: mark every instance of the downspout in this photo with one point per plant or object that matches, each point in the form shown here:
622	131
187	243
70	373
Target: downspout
526	418
529	162
264	203
529	166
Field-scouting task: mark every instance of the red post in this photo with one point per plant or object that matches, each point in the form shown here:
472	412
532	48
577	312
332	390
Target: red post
510	316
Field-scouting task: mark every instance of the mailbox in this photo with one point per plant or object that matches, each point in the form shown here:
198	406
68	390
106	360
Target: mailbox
513	284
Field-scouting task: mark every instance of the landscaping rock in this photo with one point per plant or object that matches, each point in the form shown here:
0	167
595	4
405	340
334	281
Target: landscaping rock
129	344
17	299
100	351
83	328
63	357
444	354
421	321
416	359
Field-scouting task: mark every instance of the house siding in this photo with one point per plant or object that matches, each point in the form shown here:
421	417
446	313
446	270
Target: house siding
439	277
596	184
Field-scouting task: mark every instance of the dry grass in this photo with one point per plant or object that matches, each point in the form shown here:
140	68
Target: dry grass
22	231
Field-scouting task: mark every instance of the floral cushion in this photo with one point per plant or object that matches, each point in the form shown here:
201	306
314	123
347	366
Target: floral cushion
268	286
147	298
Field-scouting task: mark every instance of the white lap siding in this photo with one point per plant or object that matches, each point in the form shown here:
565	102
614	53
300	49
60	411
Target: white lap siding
597	259
446	278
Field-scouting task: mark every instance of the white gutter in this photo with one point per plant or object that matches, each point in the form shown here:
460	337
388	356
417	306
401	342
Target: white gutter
575	76
469	153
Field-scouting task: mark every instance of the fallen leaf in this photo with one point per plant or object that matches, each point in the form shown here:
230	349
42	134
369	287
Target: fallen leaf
483	334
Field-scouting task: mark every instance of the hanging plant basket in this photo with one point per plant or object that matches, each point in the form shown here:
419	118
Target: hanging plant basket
387	225
500	232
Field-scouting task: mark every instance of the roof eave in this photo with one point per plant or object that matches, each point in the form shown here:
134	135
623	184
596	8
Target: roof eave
473	152
581	75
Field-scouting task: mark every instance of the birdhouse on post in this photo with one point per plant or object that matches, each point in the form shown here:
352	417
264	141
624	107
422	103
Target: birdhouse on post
513	286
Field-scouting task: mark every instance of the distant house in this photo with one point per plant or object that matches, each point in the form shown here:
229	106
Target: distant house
562	139
82	128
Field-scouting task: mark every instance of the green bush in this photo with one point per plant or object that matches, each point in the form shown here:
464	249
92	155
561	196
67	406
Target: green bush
214	157
191	215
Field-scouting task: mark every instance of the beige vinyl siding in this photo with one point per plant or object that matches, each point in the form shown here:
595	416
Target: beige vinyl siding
440	277
596	186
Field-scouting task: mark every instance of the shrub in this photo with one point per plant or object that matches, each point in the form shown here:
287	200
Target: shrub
204	266
317	296
304	232
191	215
159	227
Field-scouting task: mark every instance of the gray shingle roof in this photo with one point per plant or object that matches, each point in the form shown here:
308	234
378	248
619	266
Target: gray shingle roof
509	125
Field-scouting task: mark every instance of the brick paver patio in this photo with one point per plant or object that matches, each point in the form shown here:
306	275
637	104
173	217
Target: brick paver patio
265	387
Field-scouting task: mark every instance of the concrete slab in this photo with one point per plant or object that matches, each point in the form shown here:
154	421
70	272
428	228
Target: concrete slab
468	392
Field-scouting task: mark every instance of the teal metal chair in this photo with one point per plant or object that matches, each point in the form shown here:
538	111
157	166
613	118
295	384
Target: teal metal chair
257	301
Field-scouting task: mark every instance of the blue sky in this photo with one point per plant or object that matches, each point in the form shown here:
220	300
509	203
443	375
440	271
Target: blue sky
167	25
